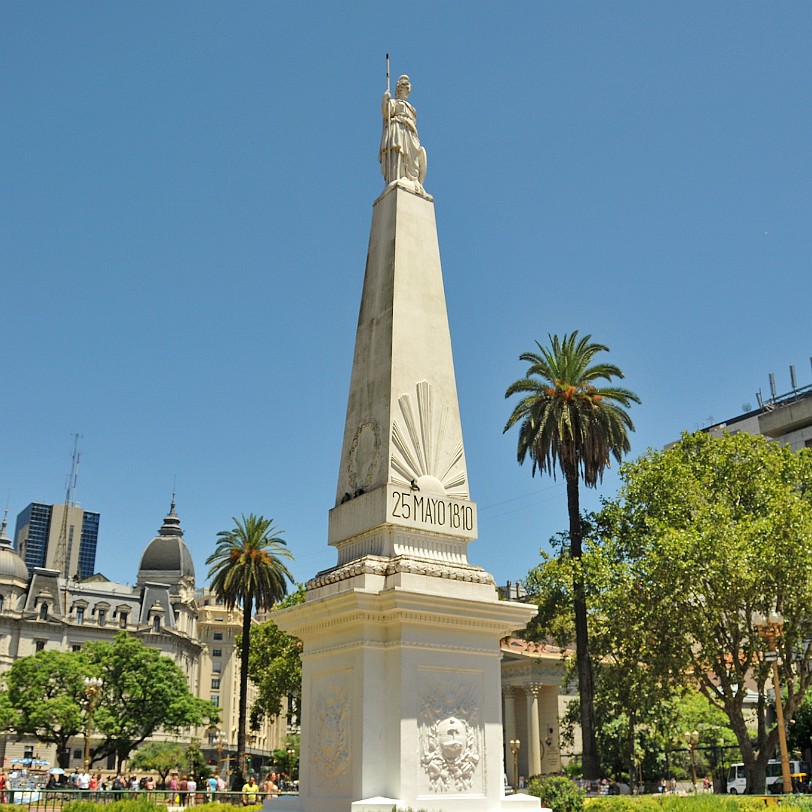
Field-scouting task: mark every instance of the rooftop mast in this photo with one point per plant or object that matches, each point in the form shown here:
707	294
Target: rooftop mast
60	554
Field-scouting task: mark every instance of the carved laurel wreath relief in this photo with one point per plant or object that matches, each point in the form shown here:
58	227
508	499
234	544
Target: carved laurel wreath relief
364	456
332	746
450	736
427	445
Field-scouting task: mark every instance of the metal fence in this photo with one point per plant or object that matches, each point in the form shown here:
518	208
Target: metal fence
48	799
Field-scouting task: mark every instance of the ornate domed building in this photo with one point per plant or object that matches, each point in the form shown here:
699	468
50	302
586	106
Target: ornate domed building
166	558
41	609
12	567
13	585
166	578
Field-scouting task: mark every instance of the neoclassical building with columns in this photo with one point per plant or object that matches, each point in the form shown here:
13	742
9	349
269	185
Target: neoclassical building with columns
534	697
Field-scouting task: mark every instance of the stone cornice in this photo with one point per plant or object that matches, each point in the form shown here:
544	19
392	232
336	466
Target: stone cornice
378	565
373	612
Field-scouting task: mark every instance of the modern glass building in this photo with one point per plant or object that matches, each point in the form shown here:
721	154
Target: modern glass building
37	536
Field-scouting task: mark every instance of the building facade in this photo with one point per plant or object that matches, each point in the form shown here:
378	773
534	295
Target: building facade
535	696
787	419
42	609
61	537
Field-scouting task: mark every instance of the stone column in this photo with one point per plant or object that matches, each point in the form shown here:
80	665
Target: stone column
509	727
533	730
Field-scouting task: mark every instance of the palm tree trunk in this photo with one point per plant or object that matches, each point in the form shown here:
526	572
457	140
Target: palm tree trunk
238	778
586	685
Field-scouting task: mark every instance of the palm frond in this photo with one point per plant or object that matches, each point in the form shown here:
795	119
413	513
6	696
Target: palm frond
566	421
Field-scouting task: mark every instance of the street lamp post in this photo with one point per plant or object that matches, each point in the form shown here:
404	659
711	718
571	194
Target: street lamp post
221	744
218	740
92	692
515	744
769	629
692	740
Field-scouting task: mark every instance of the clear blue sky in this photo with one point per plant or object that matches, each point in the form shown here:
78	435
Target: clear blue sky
187	191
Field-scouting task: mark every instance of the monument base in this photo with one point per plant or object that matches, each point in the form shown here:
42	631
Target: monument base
519	802
401	691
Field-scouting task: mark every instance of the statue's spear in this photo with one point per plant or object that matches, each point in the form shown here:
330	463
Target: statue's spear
388	129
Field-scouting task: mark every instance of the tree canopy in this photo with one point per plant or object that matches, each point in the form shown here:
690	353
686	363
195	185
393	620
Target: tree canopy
162	757
47	693
141	692
703	538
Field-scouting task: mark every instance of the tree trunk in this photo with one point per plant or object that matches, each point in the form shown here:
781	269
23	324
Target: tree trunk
756	778
586	686
754	757
237	778
631	745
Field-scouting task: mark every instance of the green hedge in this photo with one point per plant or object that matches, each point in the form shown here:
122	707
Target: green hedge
691	803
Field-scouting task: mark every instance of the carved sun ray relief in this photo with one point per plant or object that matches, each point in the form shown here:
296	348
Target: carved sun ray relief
426	450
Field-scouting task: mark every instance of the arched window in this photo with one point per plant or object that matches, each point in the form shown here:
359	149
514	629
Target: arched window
43	611
156	623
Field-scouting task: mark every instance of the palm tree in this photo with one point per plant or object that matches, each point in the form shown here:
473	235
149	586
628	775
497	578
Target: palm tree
247	569
569	423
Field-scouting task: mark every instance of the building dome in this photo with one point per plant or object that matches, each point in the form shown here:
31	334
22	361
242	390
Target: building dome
11	565
167	558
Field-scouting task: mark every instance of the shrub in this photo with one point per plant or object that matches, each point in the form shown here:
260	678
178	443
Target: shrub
624	803
130	805
558	793
690	803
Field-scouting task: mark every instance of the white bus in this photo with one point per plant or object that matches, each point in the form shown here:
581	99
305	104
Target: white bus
737	783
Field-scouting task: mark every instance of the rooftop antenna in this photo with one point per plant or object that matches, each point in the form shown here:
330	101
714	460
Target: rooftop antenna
73	476
772	385
792	377
60	553
760	401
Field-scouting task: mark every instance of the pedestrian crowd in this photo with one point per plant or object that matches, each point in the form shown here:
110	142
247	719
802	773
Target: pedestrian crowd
178	790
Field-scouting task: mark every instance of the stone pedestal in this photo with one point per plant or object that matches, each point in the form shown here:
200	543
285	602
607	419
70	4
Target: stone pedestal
401	693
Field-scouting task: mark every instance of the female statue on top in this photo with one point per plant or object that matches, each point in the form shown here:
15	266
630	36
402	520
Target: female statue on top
401	155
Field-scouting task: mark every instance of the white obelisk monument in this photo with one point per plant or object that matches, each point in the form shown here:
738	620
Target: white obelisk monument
401	692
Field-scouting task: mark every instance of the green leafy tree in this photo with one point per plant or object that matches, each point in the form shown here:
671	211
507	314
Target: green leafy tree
247	570
162	757
566	422
703	536
799	734
274	664
196	761
9	717
632	706
47	693
142	692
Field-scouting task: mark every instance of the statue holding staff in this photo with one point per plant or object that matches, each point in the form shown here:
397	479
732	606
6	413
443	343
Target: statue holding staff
401	156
